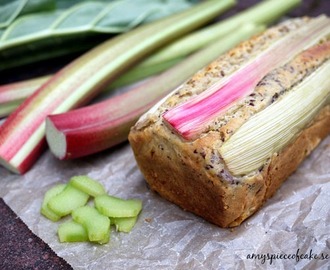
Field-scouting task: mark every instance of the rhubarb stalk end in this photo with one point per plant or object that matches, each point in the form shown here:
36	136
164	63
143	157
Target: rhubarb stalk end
58	145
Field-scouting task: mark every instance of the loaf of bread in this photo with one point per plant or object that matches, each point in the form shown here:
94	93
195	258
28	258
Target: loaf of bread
192	173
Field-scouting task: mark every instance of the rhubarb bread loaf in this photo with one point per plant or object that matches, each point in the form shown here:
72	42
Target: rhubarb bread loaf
224	141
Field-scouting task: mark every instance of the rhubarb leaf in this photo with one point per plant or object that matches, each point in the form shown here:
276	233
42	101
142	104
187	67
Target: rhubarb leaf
42	31
12	9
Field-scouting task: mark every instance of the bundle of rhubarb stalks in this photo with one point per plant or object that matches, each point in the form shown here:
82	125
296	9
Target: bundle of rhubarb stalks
44	110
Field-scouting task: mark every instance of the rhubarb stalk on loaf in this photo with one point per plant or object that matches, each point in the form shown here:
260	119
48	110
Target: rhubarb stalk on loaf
189	118
273	125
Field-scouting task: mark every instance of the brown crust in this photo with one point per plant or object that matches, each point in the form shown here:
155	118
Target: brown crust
179	177
192	174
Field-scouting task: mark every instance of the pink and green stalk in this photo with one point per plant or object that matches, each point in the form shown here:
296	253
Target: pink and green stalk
97	127
22	135
191	118
13	94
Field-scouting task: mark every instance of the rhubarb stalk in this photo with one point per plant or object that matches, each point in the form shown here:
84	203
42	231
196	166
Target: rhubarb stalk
190	118
263	13
12	95
22	135
257	139
97	127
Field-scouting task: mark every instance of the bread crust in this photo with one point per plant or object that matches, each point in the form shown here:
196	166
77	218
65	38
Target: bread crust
178	177
192	174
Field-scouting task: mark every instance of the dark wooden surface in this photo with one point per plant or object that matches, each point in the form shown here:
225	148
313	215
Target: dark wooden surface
22	249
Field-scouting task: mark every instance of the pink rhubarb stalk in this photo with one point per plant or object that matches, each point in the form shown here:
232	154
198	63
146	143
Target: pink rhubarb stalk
190	118
22	135
97	127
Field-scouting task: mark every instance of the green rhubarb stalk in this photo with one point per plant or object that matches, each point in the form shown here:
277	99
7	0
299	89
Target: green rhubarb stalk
136	74
13	94
264	13
22	134
259	138
97	127
141	72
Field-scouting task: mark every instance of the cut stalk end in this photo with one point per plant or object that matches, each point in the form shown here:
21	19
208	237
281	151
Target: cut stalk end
58	145
9	166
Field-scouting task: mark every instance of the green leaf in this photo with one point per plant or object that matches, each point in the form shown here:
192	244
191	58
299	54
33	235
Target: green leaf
39	31
11	9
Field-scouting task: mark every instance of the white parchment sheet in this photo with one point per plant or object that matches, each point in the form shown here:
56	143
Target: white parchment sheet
295	222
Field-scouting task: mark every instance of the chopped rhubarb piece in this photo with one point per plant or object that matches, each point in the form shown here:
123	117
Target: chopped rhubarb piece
96	224
66	201
116	207
71	231
48	213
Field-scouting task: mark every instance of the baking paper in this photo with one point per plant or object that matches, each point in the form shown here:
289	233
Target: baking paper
286	233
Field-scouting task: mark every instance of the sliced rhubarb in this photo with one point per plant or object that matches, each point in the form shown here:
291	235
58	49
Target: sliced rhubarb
96	224
124	224
116	207
48	213
71	231
87	185
22	135
190	118
67	200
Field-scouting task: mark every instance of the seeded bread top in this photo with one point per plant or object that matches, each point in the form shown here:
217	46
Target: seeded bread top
270	88
222	67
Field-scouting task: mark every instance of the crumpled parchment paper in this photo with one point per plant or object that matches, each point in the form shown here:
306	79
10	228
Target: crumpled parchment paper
295	221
